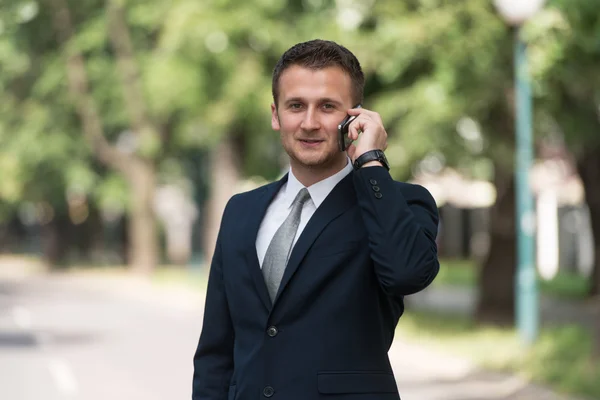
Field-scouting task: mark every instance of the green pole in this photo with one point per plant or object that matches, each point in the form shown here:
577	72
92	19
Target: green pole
526	301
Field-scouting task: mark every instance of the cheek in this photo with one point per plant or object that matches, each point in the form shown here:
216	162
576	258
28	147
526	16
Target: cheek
289	125
332	122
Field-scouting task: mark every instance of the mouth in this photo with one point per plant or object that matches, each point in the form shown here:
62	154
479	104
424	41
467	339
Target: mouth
311	142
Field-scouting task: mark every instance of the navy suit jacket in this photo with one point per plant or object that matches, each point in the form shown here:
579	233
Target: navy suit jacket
328	331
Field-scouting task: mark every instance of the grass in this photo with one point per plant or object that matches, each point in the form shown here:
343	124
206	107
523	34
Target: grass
560	359
463	273
565	285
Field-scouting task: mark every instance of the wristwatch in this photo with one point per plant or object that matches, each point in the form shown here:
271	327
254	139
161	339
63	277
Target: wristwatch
371	155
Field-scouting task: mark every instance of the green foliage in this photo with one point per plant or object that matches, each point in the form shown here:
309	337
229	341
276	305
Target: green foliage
562	356
569	46
434	65
205	69
111	194
439	73
566	286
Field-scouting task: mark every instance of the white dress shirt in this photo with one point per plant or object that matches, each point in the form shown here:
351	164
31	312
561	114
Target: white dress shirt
281	206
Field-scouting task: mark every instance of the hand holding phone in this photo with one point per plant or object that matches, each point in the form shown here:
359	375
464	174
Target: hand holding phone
343	140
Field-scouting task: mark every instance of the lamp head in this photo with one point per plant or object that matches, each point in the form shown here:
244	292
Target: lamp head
516	12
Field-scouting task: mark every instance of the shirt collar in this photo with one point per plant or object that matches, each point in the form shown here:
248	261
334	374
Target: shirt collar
318	191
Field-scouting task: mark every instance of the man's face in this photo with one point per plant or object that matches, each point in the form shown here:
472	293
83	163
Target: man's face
311	104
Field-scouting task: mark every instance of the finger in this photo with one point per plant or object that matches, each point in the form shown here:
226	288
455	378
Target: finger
353	131
356	111
357	126
349	134
360	111
364	112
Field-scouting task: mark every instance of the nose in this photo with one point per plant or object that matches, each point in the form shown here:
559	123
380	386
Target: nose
310	122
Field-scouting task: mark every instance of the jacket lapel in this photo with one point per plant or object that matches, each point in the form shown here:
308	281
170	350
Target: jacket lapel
341	198
258	211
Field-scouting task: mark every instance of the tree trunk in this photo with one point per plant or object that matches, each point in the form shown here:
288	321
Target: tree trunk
496	280
139	170
595	306
143	243
588	166
93	246
596	329
56	240
224	177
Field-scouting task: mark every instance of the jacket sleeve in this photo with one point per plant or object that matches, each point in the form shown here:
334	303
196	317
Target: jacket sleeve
401	221
213	360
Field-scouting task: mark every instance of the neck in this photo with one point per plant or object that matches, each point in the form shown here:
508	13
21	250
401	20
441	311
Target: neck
309	175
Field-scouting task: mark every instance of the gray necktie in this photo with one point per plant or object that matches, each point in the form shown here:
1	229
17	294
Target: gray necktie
279	250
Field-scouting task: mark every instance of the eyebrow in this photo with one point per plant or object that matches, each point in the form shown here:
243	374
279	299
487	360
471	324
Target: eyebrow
320	101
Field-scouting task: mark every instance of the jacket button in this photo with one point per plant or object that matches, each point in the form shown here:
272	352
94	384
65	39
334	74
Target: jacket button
378	195
272	331
373	182
268	391
376	188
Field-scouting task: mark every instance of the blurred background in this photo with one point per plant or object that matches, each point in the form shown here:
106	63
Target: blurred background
126	125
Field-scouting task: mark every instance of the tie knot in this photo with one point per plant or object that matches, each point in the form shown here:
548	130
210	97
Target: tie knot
302	196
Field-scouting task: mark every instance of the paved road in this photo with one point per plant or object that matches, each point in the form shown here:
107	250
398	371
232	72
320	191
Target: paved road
66	337
60	339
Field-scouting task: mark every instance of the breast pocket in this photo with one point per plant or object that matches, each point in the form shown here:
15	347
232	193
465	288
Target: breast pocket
356	382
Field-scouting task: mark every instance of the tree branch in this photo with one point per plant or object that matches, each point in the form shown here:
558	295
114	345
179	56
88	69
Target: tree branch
120	38
79	89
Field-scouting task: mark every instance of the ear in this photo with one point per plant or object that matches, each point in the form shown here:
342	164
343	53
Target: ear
274	118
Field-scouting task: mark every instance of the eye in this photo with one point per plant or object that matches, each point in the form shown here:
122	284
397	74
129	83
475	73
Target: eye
295	106
328	106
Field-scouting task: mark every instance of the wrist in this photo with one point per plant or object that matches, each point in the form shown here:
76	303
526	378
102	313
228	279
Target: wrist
371	158
372	164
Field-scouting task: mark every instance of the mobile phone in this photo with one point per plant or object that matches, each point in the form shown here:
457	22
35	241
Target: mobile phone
343	140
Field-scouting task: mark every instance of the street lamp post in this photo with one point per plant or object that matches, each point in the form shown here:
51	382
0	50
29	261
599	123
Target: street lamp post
517	12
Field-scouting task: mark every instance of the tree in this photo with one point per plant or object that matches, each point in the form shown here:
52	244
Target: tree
455	62
451	72
139	169
41	160
568	46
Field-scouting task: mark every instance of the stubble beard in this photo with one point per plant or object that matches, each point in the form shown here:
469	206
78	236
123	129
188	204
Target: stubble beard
321	162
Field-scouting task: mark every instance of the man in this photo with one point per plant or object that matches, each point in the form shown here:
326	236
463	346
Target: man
309	273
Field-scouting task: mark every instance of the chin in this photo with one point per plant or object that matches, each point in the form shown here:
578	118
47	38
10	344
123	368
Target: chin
316	160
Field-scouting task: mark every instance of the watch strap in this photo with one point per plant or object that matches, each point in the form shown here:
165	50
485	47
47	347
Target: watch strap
371	155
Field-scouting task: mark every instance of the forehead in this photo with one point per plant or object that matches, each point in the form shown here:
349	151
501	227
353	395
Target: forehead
310	84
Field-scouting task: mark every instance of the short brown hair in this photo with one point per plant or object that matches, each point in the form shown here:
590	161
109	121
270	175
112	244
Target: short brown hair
318	54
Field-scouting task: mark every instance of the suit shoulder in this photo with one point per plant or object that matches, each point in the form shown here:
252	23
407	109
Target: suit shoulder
416	191
413	188
241	200
252	194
